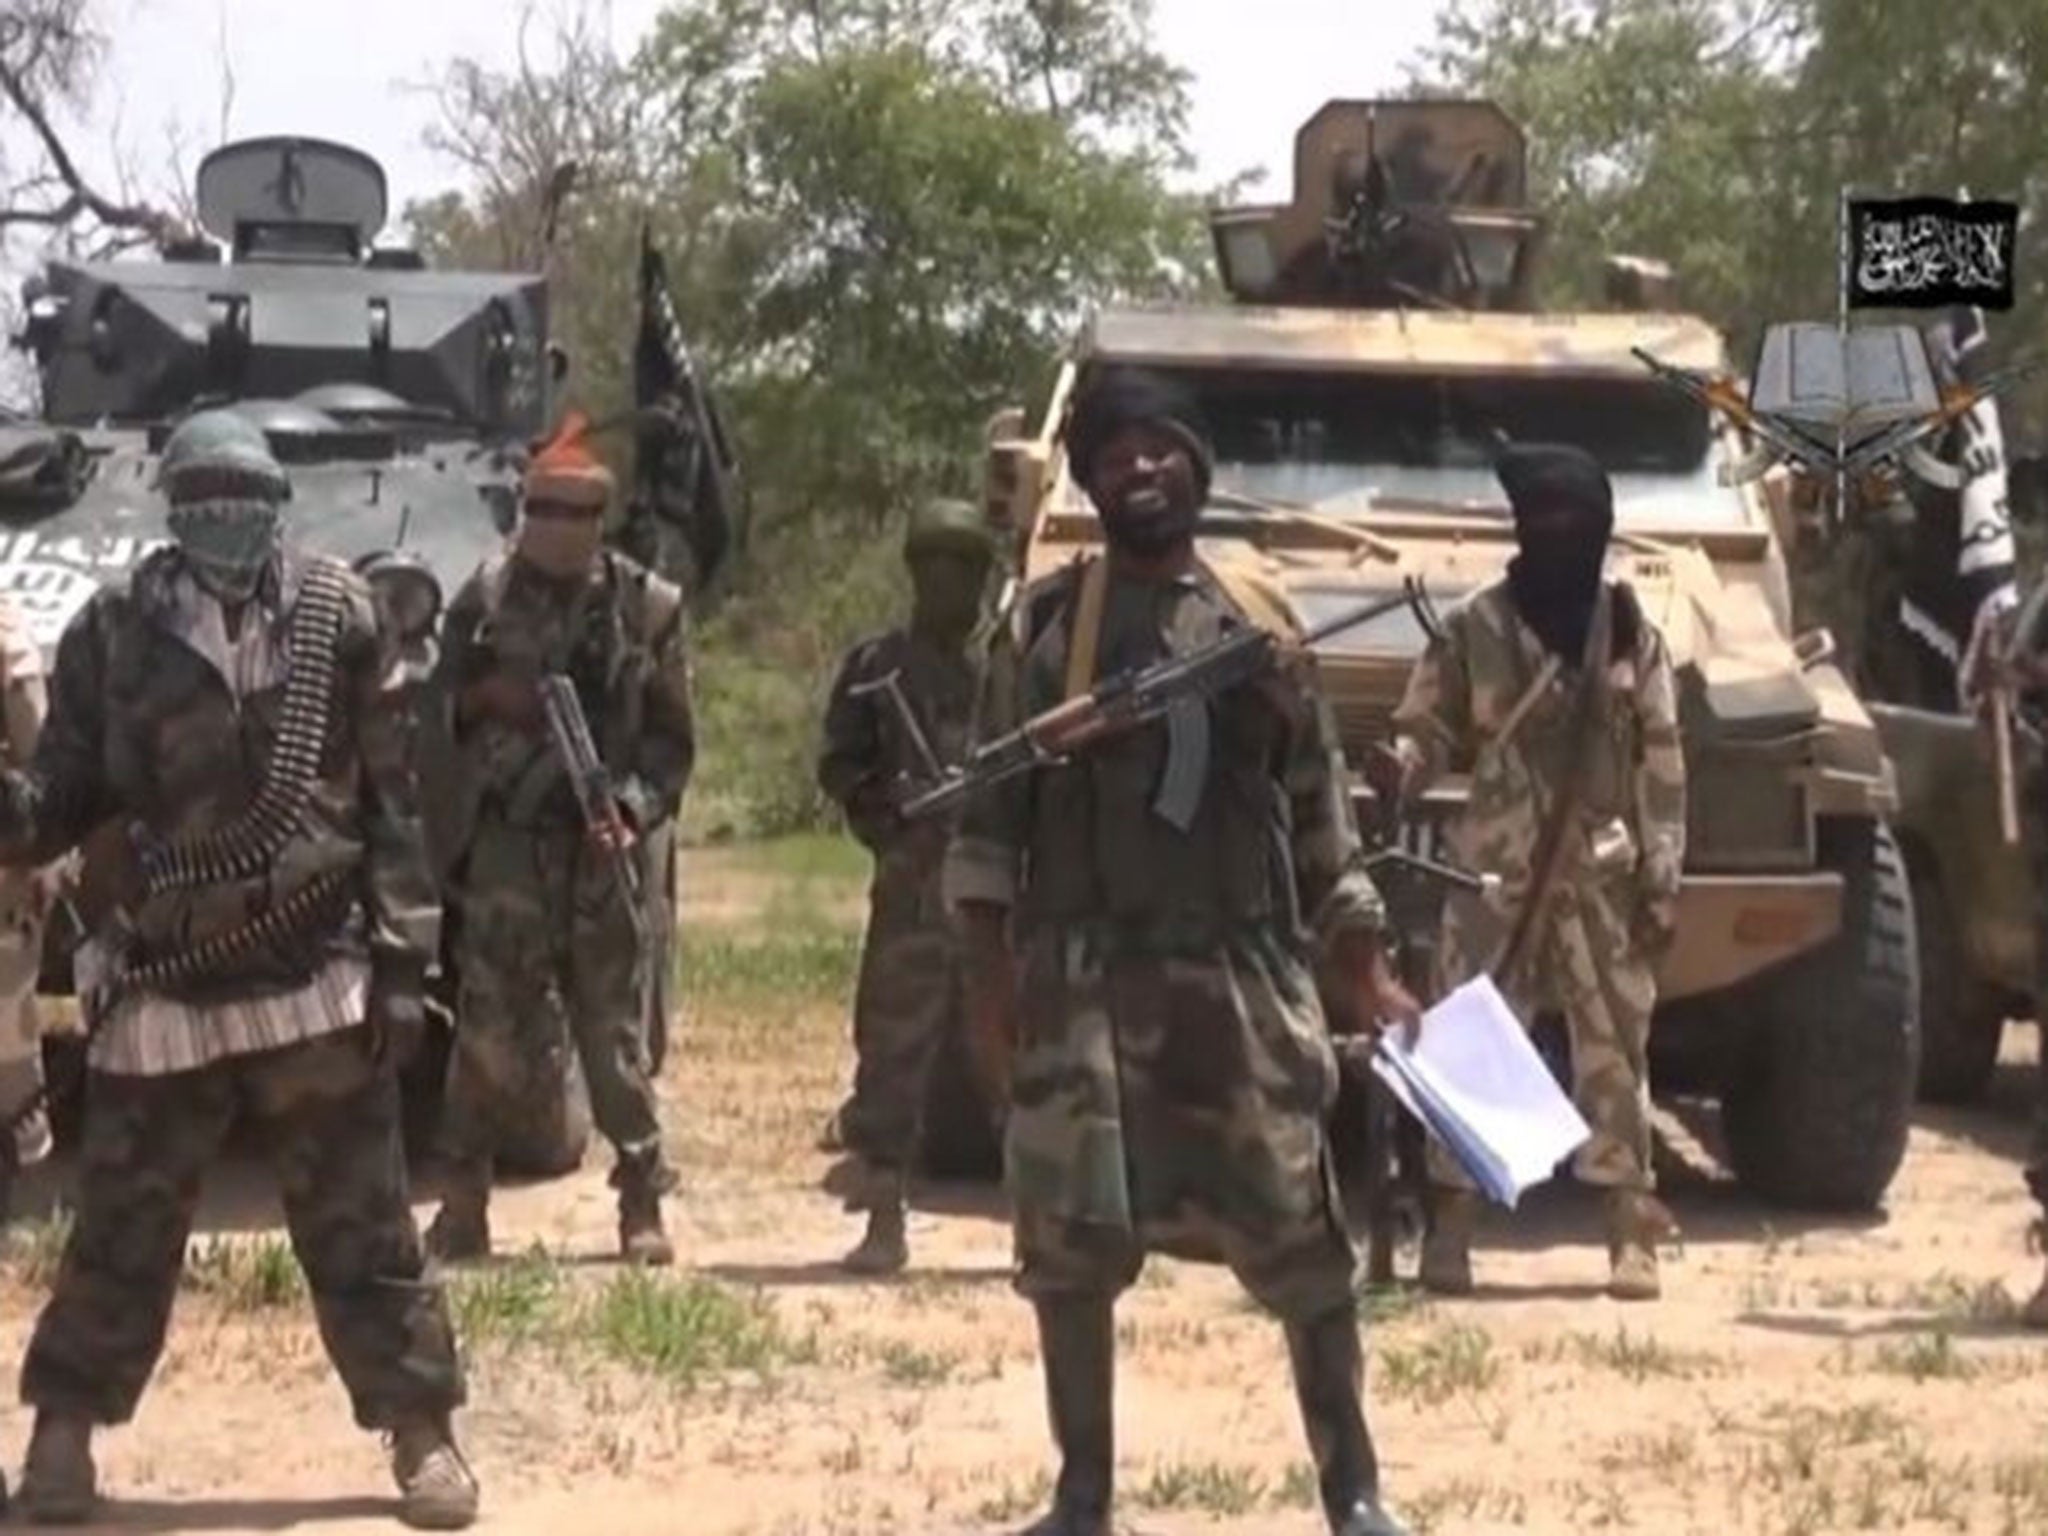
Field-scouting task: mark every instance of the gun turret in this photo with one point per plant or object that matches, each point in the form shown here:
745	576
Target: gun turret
305	299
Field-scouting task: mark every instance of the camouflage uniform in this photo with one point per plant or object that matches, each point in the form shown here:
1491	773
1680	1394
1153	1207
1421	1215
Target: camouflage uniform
909	992
24	1125
546	936
1479	703
144	724
1174	1069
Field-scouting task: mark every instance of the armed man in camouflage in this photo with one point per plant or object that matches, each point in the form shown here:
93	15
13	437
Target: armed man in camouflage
547	934
1173	1067
1554	692
909	990
24	902
221	739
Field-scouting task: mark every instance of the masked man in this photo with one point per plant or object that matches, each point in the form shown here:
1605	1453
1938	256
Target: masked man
548	931
262	913
1173	1067
909	989
1554	692
24	1120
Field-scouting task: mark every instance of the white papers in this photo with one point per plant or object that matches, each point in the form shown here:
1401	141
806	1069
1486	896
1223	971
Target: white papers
1475	1081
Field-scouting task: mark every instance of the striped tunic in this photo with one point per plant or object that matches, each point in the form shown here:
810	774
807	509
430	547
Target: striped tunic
147	1035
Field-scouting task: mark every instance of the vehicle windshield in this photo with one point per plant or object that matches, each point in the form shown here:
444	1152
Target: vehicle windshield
1337	444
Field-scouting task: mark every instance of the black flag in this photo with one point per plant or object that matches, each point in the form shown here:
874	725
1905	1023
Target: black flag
1931	252
688	470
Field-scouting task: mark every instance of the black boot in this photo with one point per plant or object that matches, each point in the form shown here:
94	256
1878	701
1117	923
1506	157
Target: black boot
1329	1382
1077	1339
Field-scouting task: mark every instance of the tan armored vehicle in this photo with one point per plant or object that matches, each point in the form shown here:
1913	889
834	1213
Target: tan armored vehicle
1381	334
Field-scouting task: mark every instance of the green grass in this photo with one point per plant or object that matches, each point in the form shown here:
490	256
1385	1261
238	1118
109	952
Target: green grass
1450	1362
821	857
907	1365
1925	1357
1212	1487
246	1276
813	966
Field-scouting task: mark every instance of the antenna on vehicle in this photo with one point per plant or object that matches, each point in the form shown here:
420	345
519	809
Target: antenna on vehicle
404	523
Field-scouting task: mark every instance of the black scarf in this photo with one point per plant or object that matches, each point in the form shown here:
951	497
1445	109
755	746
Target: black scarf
1554	579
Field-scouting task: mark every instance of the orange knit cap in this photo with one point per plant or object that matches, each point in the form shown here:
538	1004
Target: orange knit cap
565	471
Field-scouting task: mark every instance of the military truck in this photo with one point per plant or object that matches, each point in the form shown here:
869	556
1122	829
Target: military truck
1381	337
399	400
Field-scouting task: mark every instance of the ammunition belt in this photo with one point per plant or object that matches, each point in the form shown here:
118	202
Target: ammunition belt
320	902
246	846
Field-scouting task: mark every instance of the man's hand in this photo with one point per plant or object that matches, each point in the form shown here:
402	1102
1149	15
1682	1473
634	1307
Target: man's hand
1379	1000
614	836
508	699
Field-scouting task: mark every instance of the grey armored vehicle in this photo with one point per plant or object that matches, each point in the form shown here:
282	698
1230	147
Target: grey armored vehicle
398	399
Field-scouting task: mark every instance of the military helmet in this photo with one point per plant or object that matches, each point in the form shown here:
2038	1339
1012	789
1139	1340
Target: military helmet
220	453
948	525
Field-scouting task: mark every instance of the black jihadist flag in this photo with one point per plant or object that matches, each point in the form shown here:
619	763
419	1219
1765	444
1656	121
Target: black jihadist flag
1931	252
700	456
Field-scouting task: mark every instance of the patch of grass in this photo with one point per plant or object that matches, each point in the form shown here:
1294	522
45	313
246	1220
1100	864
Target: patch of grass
1925	1357
2020	1484
32	1250
246	1276
1464	1499
1635	1356
518	1303
907	1365
788	965
1016	1500
1297	1488
683	1329
1213	1487
1382	1304
820	856
1454	1360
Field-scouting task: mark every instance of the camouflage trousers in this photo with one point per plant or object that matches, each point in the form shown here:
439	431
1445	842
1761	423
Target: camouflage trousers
332	1116
1298	1272
909	994
1586	966
547	942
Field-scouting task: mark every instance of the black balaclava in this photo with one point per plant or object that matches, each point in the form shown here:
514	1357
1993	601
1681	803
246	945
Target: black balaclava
1564	515
1128	397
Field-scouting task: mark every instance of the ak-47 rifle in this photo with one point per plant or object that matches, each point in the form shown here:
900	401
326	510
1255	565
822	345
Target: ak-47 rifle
592	782
1723	394
1120	703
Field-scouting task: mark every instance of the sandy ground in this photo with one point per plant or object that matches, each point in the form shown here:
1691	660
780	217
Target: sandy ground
1797	1379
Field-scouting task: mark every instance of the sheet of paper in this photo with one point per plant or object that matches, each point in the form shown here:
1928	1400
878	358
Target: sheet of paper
1486	1093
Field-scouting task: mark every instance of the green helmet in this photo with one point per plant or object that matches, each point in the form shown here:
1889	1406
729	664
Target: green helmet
951	525
220	452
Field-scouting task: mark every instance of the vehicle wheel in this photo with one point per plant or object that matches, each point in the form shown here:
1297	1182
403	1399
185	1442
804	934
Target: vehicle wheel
1961	1019
1817	1114
959	1132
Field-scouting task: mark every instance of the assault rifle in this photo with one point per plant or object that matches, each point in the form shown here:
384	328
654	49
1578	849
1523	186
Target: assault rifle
592	782
1120	703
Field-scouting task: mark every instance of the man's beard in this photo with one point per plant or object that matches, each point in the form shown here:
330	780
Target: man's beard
1149	521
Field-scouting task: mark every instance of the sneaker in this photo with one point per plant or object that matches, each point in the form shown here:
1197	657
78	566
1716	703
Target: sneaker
437	1491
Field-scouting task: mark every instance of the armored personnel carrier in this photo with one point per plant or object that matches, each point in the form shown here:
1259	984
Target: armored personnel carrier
1381	339
397	398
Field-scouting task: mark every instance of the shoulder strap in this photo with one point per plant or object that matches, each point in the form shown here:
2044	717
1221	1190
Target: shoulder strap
1255	596
1589	701
1084	639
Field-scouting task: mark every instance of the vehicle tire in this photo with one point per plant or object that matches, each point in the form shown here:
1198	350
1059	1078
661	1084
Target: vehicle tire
1817	1113
1961	1019
959	1130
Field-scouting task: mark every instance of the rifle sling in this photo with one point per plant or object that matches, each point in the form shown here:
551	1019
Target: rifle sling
1553	843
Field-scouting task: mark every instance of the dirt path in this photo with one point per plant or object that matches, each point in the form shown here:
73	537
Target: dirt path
1797	1379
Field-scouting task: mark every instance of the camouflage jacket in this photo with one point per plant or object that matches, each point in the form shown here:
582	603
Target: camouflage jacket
1173	1056
1479	703
144	727
620	639
1273	844
868	751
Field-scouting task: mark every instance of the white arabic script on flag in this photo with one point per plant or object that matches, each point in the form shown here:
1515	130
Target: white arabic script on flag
1926	251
